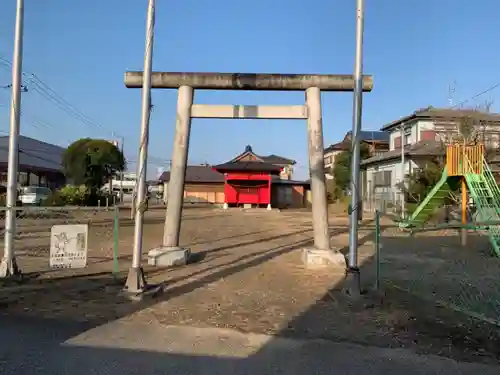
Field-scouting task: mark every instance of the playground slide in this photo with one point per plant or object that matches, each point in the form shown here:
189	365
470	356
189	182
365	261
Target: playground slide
485	194
430	204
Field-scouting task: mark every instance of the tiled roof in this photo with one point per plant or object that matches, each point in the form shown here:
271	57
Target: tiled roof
365	135
255	166
275	159
197	174
341	146
423	148
34	154
444	113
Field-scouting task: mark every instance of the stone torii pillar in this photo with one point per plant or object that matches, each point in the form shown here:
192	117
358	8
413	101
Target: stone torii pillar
170	253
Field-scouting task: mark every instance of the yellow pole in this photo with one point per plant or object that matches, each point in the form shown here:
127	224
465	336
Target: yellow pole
464	212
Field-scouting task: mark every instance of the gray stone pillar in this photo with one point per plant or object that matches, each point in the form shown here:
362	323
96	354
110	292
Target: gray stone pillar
321	253
170	254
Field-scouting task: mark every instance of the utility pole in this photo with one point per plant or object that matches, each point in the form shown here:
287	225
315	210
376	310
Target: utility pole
136	282
353	276
8	267
121	173
403	170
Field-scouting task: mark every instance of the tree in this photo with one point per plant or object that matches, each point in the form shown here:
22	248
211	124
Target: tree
92	162
341	170
421	181
472	128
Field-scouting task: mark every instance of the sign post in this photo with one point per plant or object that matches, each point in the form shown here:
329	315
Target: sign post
68	246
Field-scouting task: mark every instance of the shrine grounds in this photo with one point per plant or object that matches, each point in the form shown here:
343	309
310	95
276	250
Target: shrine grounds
246	274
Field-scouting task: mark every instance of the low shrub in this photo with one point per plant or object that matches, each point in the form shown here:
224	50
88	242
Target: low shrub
78	196
54	200
74	195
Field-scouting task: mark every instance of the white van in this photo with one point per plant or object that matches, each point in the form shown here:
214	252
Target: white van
34	195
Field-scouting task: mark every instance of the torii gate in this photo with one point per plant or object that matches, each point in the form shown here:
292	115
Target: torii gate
170	253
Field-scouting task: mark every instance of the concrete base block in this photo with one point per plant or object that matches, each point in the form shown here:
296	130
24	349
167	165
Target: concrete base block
136	287
319	258
9	269
225	206
269	208
169	256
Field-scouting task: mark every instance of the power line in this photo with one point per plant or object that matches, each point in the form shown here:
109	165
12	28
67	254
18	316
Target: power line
491	88
49	94
45	91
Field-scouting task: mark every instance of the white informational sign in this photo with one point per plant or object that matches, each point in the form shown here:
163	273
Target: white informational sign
68	246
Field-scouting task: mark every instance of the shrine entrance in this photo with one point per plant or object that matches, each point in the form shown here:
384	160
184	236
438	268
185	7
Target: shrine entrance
253	188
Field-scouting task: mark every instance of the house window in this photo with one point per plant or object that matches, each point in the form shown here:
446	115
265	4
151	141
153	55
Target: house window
407	136
382	178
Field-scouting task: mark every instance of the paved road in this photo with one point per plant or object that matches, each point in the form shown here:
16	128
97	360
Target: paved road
122	348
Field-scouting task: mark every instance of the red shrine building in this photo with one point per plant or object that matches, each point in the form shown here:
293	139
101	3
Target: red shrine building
248	180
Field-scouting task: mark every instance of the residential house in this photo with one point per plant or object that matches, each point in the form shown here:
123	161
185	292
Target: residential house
423	134
377	141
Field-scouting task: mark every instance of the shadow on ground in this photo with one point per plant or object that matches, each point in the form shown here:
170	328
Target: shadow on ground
434	297
389	318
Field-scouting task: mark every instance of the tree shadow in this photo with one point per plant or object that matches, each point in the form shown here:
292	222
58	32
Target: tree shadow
389	318
434	297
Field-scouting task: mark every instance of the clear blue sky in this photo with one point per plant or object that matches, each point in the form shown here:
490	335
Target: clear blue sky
413	48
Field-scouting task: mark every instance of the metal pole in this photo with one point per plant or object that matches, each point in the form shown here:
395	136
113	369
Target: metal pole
463	236
8	266
377	250
317	168
121	172
135	280
353	270
116	239
403	170
175	192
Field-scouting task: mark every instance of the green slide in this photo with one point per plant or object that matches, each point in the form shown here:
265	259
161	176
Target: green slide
430	204
486	196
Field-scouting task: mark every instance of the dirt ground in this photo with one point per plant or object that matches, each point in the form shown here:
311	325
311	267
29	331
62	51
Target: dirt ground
246	274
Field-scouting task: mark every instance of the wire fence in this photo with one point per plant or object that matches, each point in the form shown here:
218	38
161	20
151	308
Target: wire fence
386	202
434	264
65	241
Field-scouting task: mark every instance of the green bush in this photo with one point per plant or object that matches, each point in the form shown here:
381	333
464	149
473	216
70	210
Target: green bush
3	200
54	200
74	195
77	196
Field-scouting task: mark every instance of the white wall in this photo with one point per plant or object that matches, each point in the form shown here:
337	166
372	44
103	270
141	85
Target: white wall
412	127
415	128
329	158
394	133
396	174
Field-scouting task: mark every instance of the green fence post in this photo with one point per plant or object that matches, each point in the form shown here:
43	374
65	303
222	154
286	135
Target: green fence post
377	250
116	227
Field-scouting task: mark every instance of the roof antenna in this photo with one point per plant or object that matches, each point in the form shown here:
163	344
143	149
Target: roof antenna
451	91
